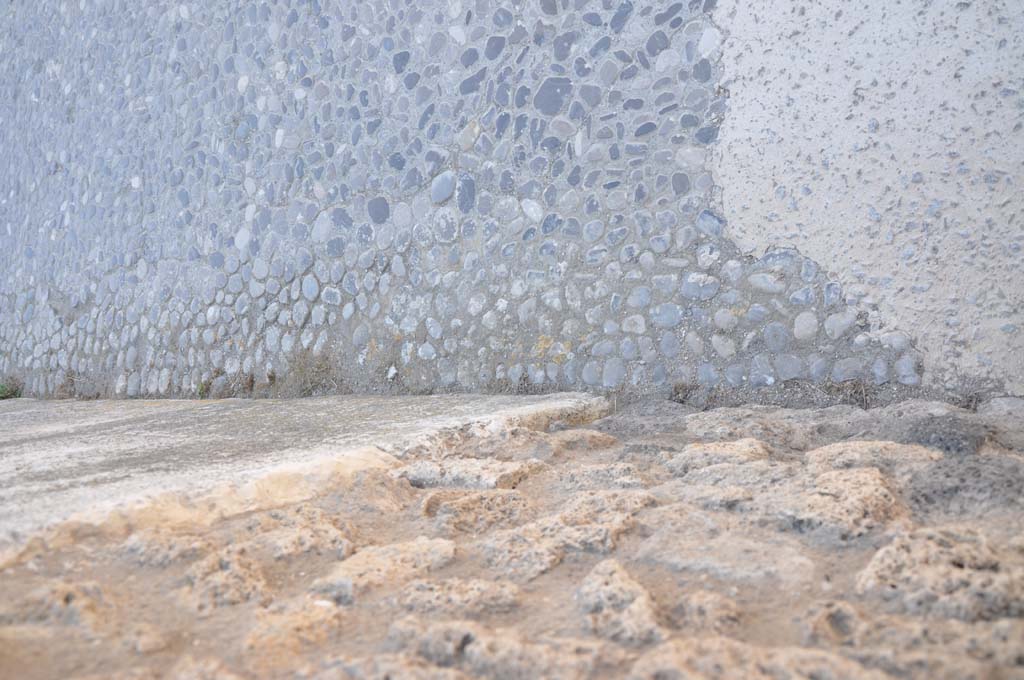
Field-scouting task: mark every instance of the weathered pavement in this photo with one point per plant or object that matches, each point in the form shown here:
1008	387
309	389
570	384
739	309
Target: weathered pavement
657	542
60	459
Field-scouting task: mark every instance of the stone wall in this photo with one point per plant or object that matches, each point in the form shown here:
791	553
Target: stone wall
207	197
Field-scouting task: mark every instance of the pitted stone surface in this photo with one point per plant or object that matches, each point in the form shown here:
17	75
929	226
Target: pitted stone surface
617	607
241	198
946	572
658	542
459	597
377	566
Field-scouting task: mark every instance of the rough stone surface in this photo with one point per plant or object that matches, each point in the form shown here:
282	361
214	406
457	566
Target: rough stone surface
289	628
617	607
695	543
948	572
299	532
377	566
61	459
849	504
470	473
695	456
458	511
590	523
459	597
380	666
485	653
951	648
719	657
658	542
227	577
706	611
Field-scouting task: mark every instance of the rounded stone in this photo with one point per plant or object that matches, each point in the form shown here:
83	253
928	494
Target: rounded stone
361	336
710	223
895	340
836	325
694	343
757	313
378	209
818	367
614	372
680	183
134	385
666	315
880	371
761	372
725	346
332	295
318	315
698	286
906	370
443	186
803	296
669	345
833	293
848	369
776	336
552	95
532	209
805	326
634	324
788	367
735	374
707	375
639	297
765	282
725	319
260	269
310	287
272	339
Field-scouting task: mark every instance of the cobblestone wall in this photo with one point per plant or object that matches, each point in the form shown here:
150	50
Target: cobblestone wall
421	195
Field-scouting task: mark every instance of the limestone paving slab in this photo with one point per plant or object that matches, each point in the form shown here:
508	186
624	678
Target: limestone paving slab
64	458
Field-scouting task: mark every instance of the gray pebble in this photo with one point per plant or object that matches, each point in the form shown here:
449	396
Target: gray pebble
788	367
776	336
552	94
836	325
847	369
443	186
666	315
378	209
310	287
614	372
805	326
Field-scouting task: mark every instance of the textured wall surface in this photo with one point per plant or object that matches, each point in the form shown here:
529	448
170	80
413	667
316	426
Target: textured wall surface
207	196
887	142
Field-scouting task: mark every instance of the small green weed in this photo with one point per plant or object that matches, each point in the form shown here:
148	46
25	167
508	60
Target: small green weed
10	389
